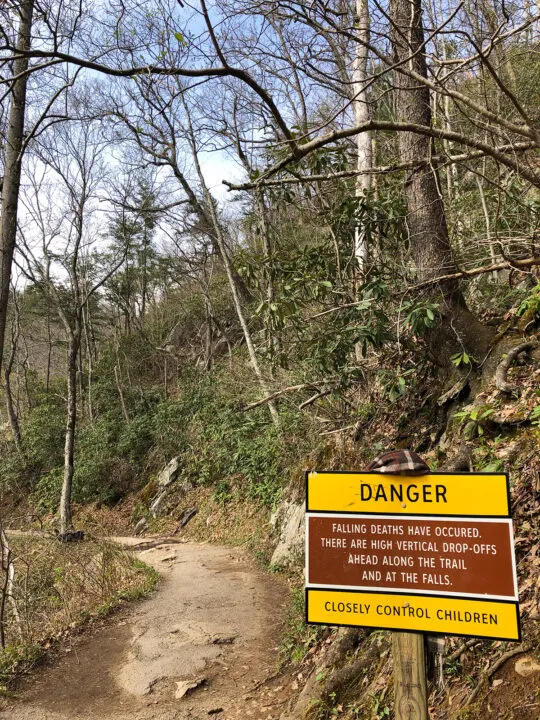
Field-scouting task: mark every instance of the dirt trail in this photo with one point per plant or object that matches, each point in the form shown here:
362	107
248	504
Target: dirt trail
215	621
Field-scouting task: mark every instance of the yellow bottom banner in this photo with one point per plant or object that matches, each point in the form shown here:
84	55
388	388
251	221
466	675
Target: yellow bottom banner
418	613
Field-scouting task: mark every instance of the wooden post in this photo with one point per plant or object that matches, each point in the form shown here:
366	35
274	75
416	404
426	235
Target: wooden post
410	694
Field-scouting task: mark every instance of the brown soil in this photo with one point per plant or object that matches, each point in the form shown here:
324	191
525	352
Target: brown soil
512	696
214	621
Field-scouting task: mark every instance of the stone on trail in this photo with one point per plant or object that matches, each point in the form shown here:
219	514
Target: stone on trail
184	686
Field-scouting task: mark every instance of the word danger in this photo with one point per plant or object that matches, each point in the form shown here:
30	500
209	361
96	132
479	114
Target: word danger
410	492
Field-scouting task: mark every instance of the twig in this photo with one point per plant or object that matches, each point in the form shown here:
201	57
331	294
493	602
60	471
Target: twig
464	646
264	681
313	398
284	391
331	432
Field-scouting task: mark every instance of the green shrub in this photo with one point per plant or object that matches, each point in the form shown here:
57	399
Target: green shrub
46	494
44	431
136	438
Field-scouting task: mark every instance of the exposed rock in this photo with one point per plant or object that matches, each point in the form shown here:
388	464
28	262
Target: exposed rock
184	686
169	473
141	526
186	516
168	495
526	666
158	503
290	517
458	389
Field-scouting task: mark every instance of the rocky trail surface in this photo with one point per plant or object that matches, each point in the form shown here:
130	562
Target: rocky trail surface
203	646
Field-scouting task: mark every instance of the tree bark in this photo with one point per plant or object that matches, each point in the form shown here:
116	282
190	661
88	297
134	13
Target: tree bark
66	522
428	232
12	167
10	405
364	150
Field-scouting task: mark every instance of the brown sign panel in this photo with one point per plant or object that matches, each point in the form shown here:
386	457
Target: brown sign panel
449	557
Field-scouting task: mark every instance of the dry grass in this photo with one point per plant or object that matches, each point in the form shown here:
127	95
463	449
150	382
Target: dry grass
58	587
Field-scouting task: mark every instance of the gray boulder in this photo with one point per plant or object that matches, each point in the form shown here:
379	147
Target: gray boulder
290	519
169	473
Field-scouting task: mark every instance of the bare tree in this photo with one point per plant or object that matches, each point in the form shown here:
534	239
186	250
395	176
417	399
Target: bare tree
159	120
61	266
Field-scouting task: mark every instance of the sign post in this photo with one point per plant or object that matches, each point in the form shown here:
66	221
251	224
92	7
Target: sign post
410	692
412	554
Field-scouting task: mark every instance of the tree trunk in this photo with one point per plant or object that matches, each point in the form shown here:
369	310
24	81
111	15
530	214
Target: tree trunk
219	238
49	354
457	328
10	405
241	317
66	523
12	413
364	148
89	360
12	166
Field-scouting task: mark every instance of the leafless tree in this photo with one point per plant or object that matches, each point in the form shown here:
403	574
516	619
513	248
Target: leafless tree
56	243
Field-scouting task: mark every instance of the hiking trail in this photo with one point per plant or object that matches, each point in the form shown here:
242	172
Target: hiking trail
202	646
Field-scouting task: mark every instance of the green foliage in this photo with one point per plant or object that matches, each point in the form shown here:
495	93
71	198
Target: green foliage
44	431
531	303
331	342
419	315
381	709
217	442
534	417
472	420
136	438
298	637
46	493
394	384
462	360
203	424
222	494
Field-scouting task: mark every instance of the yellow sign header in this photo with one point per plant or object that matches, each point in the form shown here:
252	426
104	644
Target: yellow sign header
474	494
448	616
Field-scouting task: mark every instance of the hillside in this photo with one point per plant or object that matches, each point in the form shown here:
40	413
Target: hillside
240	241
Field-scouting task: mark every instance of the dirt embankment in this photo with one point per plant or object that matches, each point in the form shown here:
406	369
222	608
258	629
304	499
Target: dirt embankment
203	646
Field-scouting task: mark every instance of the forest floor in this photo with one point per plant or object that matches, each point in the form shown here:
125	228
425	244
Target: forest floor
204	645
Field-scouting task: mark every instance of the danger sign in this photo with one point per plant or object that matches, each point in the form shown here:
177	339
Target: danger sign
399	571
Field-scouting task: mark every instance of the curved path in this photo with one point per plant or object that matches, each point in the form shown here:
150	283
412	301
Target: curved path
203	646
